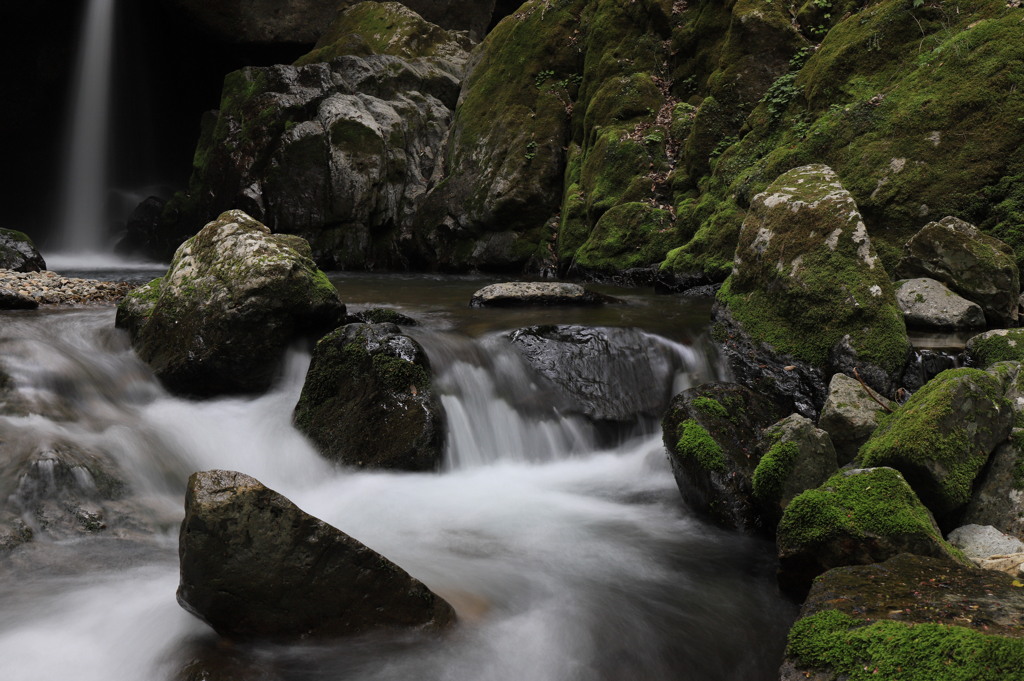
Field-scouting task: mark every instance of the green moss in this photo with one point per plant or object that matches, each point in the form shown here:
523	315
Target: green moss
628	235
399	375
697	443
773	470
709	406
998	347
899	651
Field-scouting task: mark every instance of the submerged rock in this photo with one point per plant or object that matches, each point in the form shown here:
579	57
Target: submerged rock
367	400
254	565
928	304
850	415
525	293
18	253
979	267
233	299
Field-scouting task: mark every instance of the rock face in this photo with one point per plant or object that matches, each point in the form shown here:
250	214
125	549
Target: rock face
979	267
998	496
525	293
254	565
979	542
850	415
18	253
875	621
607	374
798	457
998	345
858	516
928	304
233	299
367	400
942	437
712	434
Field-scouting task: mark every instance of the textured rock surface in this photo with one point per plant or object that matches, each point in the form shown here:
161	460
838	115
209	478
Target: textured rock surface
797	457
807	289
522	293
911	614
18	253
712	434
233	299
984	541
997	345
928	304
998	496
850	415
254	565
942	437
367	400
979	267
858	516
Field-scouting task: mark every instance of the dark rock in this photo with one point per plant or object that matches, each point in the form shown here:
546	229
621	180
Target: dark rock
928	304
998	495
12	300
909	615
979	267
367	400
942	437
850	415
858	516
607	374
18	253
797	457
254	565
234	298
525	293
925	364
142	229
383	315
712	434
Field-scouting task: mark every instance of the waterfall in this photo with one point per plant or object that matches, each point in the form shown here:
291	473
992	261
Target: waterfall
81	228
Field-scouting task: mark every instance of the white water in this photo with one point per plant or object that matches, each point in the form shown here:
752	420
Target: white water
564	562
81	227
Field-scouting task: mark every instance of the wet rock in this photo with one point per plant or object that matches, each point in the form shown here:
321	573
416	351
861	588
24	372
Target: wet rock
234	298
928	304
367	400
998	345
998	495
979	267
858	516
797	457
18	253
712	434
979	542
808	292
383	315
254	565
12	300
946	620
942	437
607	374
527	293
850	415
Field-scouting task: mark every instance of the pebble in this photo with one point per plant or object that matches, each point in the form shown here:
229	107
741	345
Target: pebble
51	289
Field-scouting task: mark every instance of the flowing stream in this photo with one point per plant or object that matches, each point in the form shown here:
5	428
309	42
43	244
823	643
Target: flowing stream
565	549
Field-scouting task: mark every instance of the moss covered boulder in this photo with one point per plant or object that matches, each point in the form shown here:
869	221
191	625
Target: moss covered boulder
367	400
18	253
809	292
910	618
998	345
942	437
979	267
233	300
797	457
713	435
858	516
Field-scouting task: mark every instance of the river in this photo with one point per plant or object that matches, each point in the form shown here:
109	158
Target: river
565	548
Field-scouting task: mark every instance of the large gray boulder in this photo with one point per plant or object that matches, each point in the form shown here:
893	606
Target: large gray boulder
928	304
367	400
808	296
850	415
979	542
979	267
254	565
18	253
233	299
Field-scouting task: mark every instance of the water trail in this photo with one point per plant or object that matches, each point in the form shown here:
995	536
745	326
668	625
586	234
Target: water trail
82	225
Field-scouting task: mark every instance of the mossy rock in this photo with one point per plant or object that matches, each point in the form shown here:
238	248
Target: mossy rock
367	401
857	516
630	235
942	437
910	618
713	434
998	345
797	457
18	253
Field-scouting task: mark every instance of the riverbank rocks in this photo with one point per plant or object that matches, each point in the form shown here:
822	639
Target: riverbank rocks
942	437
979	267
850	415
712	433
18	253
367	400
998	495
798	457
998	345
233	299
857	516
808	296
928	304
527	293
254	565
46	288
911	617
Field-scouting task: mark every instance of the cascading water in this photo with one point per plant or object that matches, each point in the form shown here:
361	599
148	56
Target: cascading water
567	557
82	226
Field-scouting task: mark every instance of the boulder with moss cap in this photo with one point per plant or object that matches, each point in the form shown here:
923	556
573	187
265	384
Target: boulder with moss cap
18	253
997	345
808	296
712	434
233	300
